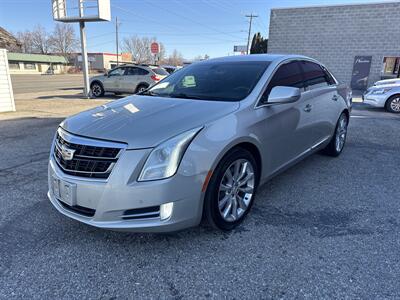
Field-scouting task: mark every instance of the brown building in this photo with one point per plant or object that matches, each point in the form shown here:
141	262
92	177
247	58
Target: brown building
9	42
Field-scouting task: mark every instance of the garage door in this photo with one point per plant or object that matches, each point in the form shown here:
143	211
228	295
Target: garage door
6	93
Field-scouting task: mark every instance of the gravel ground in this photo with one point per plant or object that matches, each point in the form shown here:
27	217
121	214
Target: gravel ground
326	228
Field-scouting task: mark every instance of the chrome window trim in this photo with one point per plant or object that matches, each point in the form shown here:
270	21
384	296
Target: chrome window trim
257	105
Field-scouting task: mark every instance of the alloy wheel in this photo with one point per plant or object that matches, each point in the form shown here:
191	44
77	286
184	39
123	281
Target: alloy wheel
96	90
395	104
341	133
236	190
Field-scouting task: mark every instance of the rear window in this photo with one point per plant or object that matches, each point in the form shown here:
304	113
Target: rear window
160	71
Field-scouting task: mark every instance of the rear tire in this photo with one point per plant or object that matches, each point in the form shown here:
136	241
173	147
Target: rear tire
336	145
97	89
393	104
227	202
141	88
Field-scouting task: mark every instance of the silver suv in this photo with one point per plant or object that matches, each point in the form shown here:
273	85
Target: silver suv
127	79
197	144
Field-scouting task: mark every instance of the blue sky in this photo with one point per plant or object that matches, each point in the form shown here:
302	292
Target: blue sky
193	27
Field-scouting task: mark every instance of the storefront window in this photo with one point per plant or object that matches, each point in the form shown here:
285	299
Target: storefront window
391	66
13	65
29	66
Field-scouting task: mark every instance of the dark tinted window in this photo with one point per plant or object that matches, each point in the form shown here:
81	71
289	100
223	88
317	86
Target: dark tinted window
220	81
131	71
142	71
160	71
314	75
116	72
287	75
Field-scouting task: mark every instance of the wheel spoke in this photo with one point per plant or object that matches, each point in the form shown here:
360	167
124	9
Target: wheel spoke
242	171
242	203
227	209
229	176
223	202
247	189
246	179
234	209
236	170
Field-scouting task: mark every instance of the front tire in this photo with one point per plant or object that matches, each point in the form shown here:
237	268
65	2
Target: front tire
393	104
97	89
231	190
336	145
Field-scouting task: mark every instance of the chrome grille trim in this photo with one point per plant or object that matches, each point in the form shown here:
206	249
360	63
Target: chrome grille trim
93	159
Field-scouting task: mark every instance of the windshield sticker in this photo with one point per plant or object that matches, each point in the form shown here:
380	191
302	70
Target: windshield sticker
189	81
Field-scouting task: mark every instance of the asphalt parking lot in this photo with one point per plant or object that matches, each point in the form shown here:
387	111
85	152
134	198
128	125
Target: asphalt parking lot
326	228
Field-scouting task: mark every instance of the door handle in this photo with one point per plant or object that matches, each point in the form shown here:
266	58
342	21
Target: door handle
335	98
308	108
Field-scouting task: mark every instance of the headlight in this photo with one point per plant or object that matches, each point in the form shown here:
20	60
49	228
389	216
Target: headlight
380	91
164	160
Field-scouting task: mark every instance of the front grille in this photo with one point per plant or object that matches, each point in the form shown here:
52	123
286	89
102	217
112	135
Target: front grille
85	211
142	213
87	160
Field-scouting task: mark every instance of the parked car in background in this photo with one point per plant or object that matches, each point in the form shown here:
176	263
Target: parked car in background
385	96
169	69
387	81
198	143
126	79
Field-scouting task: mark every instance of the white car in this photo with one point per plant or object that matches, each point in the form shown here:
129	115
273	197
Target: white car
387	81
385	96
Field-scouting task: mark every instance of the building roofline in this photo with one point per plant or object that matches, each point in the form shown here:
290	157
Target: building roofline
336	5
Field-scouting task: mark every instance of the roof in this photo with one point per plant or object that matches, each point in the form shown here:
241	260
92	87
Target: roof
254	57
8	41
337	5
37	57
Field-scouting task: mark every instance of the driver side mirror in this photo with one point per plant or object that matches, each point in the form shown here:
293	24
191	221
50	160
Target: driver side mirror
106	74
283	94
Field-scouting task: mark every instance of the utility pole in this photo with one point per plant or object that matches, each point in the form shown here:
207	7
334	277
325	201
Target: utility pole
117	38
85	68
251	16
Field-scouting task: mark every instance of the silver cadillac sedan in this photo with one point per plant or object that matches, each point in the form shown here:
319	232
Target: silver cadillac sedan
197	145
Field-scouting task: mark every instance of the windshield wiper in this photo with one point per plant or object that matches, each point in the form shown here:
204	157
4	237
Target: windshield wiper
185	96
148	93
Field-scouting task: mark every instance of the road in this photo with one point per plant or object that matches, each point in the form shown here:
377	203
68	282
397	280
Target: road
326	228
23	84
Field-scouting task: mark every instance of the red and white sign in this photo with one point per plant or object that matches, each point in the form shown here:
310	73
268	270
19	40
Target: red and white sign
155	48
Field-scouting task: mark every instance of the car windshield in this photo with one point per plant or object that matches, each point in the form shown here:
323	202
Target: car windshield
222	81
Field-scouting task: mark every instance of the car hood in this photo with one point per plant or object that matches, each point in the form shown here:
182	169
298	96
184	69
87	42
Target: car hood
144	121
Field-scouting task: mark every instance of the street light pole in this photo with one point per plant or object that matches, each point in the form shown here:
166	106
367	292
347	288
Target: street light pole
85	68
117	38
251	16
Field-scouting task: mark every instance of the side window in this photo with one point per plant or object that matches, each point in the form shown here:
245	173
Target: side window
142	71
287	75
117	72
314	75
329	77
131	71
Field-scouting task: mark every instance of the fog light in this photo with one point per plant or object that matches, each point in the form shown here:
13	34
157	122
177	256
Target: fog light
166	210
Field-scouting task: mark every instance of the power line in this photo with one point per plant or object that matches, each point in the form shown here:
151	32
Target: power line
251	16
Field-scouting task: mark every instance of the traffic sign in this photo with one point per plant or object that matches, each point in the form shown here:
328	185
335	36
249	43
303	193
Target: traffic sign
155	48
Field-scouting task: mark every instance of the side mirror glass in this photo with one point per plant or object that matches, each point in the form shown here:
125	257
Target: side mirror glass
284	94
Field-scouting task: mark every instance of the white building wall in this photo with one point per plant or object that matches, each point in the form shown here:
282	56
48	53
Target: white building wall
6	92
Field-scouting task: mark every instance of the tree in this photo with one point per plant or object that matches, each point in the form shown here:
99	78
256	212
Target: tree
25	38
63	39
175	58
140	49
39	40
258	44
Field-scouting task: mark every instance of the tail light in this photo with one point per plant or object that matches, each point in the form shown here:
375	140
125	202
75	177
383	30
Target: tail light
155	78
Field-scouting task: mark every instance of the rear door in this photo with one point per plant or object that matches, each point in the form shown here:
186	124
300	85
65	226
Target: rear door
323	90
130	80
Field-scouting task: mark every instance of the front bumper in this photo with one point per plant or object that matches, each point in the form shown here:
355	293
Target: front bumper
375	100
110	199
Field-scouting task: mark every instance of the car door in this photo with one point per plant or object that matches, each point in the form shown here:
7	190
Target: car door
323	90
130	79
286	127
113	79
